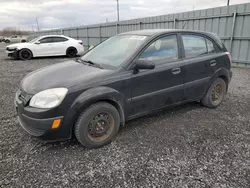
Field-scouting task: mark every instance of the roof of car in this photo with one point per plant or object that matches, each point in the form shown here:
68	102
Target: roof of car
151	32
53	36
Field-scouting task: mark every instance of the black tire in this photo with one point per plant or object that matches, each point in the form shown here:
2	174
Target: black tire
25	54
7	41
215	94
23	41
71	52
88	124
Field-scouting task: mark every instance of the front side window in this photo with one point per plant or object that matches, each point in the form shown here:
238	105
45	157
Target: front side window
194	45
115	51
162	50
46	40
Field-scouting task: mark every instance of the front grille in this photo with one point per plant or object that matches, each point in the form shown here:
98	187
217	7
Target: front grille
24	96
9	49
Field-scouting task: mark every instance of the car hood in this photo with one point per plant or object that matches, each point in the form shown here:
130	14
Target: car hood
64	74
19	45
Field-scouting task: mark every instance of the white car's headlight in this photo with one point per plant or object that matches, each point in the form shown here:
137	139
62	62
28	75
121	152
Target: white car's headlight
49	98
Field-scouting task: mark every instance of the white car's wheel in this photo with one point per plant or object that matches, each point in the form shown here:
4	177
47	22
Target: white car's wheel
25	54
71	52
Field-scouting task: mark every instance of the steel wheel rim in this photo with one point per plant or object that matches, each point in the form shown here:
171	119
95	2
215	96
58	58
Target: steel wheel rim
217	93
100	126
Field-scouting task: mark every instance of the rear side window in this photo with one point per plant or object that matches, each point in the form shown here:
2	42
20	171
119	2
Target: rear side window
162	50
210	46
194	45
59	39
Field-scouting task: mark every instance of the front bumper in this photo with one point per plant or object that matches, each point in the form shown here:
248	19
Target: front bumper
12	53
39	127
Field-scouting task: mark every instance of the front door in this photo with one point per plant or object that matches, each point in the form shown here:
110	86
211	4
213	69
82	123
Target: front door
162	86
45	48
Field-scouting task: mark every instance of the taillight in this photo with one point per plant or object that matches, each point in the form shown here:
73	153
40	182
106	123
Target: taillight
229	57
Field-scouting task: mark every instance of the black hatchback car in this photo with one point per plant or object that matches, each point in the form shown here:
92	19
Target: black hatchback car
127	76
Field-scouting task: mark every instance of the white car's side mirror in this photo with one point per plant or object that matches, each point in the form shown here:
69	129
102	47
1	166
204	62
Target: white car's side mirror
37	42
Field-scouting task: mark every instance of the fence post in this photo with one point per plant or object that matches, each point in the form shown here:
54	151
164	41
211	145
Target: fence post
117	29
77	34
87	37
232	33
174	23
100	33
140	24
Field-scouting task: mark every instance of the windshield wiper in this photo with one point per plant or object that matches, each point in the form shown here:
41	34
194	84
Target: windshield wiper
91	63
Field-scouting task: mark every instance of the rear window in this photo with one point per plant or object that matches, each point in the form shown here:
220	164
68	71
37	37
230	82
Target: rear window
194	45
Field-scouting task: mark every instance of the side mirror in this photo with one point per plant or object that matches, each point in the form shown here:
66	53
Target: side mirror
37	42
144	64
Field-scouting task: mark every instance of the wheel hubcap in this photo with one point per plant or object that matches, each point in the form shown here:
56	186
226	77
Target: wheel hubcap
100	127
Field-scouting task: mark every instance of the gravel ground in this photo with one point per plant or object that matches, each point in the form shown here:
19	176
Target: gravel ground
187	146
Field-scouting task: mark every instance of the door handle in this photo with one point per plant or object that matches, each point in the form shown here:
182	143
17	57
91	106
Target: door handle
176	71
213	63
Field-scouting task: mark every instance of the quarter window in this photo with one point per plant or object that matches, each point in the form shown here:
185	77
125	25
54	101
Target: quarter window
162	50
210	46
194	45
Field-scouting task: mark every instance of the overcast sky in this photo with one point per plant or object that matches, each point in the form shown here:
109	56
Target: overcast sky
67	13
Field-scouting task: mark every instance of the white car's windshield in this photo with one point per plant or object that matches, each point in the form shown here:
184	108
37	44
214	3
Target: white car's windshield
34	40
115	51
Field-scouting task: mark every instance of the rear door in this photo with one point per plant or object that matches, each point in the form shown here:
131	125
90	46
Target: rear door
200	59
60	45
162	86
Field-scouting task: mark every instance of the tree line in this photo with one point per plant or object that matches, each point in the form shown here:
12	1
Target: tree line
13	31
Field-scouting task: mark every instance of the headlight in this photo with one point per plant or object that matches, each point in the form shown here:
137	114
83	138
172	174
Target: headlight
48	98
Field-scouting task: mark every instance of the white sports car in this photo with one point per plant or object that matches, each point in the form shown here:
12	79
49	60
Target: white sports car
49	45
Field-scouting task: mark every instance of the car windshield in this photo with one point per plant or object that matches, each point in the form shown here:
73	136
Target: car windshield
115	51
34	40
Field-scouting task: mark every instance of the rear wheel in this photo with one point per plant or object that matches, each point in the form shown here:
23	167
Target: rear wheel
23	41
7	41
71	52
25	54
97	125
215	94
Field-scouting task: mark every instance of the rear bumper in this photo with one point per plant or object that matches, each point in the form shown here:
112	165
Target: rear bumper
80	51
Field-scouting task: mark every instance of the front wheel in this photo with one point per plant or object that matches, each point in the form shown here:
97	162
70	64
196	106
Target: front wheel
97	125
25	54
215	94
